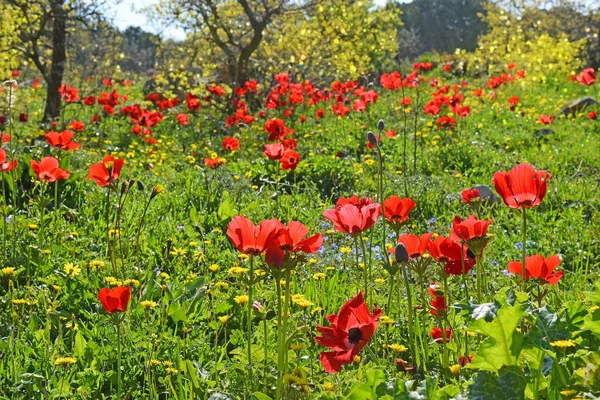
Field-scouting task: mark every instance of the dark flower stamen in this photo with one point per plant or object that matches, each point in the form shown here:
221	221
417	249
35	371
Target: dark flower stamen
354	335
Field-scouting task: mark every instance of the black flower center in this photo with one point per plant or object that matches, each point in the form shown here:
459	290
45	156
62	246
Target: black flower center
354	335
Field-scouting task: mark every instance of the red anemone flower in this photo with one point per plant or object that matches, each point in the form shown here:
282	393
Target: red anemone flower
249	238
396	210
48	169
438	305
230	143
538	267
438	337
6	166
415	246
289	160
352	218
470	195
62	140
115	299
456	257
274	151
471	231
106	172
68	94
587	77
291	239
522	187
349	331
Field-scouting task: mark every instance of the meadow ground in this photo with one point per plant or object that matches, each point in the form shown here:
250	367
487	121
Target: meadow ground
128	271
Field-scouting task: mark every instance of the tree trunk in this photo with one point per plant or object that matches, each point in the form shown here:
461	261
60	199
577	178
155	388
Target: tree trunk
59	60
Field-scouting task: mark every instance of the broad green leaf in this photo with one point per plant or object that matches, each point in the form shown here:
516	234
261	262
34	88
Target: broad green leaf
260	396
589	375
80	344
176	312
509	386
592	322
226	209
368	390
503	345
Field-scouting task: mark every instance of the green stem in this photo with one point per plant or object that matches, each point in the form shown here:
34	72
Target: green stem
277	277
366	271
118	326
524	232
388	309
249	322
479	277
411	340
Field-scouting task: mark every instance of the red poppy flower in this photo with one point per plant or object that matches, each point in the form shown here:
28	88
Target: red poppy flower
214	162
415	246
400	363
319	114
48	169
36	83
89	100
77	126
438	337
62	140
353	219
587	77
456	257
106	172
251	239
277	129
438	305
470	228
230	143
291	239
593	115
116	299
5	138
471	231
470	195
536	267
546	120
522	186
193	104
183	119
6	166
349	331
462	360
68	94
340	109
396	210
23	117
274	151
289	160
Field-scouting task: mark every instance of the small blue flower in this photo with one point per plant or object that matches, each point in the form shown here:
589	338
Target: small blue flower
334	246
431	221
519	245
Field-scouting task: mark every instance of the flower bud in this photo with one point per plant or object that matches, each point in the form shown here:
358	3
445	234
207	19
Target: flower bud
124	187
156	190
372	138
140	185
401	254
380	125
257	306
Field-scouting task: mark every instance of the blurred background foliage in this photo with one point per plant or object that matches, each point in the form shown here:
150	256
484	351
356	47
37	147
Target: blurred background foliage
231	41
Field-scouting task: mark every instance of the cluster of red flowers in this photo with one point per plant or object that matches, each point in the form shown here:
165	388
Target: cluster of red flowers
272	237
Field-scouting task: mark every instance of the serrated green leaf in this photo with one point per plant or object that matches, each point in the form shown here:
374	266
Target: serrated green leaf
503	345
